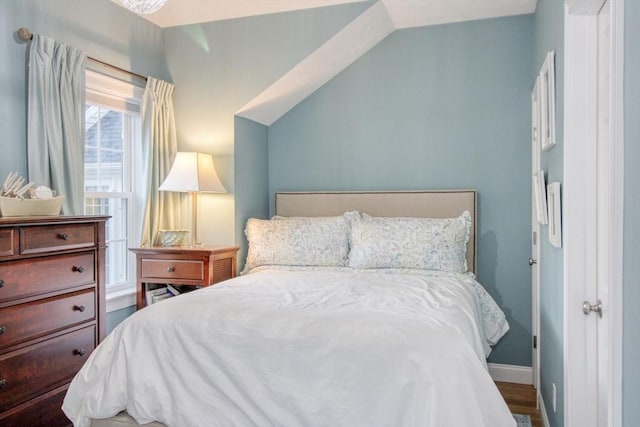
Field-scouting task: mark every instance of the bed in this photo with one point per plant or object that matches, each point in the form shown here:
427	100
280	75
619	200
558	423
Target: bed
337	321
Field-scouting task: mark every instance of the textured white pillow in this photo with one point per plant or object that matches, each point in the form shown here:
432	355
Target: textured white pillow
301	241
420	243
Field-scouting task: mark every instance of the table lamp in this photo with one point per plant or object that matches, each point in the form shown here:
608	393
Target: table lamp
193	173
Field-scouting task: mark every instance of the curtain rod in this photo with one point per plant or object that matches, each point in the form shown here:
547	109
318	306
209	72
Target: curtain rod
26	35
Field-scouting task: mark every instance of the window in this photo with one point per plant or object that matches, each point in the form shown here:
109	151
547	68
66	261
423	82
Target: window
112	157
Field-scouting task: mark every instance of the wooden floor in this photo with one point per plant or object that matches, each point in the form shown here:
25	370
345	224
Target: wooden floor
521	399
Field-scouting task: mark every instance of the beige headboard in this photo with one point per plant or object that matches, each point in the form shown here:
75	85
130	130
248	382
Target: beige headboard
416	204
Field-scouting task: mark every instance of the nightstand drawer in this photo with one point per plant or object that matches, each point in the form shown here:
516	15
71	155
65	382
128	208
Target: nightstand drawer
30	371
22	322
167	269
26	278
37	239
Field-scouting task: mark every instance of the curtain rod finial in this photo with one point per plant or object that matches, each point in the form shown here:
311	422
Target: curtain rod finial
25	34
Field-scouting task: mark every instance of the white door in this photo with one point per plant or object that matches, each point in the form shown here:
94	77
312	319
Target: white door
593	198
535	238
604	200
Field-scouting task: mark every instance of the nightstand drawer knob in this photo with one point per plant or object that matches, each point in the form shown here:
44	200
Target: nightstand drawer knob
1	283
3	383
80	352
79	269
79	308
171	269
3	329
63	236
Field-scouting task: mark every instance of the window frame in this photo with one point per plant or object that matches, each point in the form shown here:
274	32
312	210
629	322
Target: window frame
112	93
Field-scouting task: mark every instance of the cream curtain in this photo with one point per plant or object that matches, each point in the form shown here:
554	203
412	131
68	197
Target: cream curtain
162	208
55	124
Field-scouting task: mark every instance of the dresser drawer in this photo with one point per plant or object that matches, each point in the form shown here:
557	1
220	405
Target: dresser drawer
22	322
37	239
30	371
168	269
43	411
6	242
26	278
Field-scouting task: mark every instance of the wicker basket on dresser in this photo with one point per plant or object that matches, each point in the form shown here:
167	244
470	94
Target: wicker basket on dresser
52	311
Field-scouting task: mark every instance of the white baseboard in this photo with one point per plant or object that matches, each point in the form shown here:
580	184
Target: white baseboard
511	373
543	410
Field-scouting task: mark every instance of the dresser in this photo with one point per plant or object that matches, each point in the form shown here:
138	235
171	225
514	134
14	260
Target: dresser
52	312
197	266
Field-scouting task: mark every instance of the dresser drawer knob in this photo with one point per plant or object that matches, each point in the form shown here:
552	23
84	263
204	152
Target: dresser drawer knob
79	269
171	269
79	308
63	236
1	283
3	329
79	352
3	383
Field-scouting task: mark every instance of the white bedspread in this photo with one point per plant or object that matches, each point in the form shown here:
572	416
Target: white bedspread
299	348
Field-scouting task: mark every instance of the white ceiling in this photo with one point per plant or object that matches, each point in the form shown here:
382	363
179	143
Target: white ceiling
184	12
404	13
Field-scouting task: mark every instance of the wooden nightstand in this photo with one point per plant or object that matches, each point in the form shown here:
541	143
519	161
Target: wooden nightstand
201	266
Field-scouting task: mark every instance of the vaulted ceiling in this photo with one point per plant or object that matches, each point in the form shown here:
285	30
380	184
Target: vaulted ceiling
355	39
185	12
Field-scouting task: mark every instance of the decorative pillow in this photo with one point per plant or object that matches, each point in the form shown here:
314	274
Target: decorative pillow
348	216
301	241
420	243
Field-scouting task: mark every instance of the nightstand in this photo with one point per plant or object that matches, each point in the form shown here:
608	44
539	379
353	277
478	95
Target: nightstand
200	266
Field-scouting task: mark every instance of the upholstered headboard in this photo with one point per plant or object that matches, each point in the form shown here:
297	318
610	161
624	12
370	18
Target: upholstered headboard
417	204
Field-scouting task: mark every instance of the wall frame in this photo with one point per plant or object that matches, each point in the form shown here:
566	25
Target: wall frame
535	114
540	197
547	104
555	214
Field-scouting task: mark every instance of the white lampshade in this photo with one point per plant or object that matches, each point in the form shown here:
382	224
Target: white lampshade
193	173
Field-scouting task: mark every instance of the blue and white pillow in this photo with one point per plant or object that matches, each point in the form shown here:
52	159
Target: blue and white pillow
417	243
298	241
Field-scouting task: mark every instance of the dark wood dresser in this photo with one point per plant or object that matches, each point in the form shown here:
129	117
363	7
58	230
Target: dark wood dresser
52	312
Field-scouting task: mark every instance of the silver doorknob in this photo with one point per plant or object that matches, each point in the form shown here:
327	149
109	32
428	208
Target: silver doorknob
532	261
587	308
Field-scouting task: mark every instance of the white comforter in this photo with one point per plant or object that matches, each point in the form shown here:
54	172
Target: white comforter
299	348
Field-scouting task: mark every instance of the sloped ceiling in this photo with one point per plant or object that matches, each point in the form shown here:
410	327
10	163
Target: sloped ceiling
355	39
185	12
377	22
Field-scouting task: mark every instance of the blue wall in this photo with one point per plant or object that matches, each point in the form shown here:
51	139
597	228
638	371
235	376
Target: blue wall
631	319
252	177
115	317
549	36
428	108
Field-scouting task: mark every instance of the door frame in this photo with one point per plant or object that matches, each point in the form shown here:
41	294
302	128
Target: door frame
535	242
580	219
